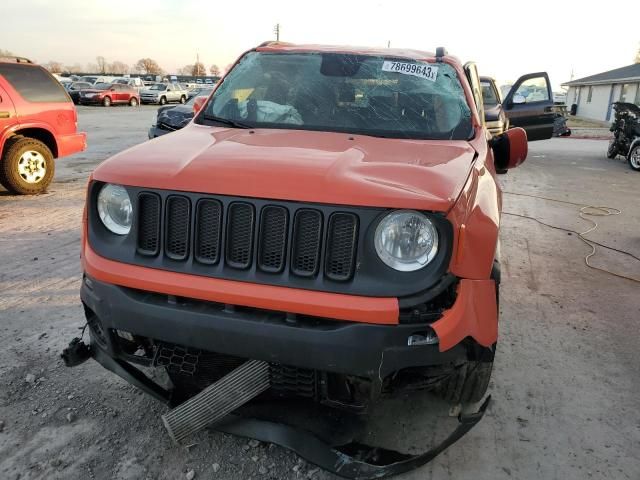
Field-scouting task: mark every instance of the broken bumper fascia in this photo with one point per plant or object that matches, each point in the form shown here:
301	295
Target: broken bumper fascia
351	348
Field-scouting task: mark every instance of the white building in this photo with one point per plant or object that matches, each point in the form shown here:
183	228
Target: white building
594	95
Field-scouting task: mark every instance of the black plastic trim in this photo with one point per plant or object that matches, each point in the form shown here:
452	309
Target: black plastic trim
198	234
167	212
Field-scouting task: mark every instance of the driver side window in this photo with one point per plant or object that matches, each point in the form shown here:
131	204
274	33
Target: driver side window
533	90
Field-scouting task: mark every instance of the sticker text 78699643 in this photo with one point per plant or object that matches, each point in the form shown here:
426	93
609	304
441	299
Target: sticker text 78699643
422	70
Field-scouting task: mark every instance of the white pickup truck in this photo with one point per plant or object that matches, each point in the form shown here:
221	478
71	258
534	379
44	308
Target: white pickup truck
163	93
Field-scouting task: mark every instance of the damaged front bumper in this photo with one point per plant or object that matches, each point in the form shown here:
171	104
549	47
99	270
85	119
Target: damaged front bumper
352	348
130	326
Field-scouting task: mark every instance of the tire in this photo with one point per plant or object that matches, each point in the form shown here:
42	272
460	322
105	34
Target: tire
133	102
612	151
183	99
634	158
468	384
163	100
106	102
27	166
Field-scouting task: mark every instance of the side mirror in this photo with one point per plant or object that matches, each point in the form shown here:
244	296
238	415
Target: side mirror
518	99
112	89
198	103
509	149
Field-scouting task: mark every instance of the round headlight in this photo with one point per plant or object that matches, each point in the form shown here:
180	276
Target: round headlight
406	240
114	208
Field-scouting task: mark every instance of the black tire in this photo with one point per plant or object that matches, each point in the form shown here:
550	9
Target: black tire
12	159
612	151
106	102
133	102
468	384
163	100
634	158
183	99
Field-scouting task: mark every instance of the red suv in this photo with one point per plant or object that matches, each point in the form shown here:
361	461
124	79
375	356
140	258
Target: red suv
108	94
38	123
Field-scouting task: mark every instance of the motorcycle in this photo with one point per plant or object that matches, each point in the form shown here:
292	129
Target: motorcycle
626	134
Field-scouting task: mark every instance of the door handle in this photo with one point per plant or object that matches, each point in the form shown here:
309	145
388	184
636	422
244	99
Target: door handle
5	114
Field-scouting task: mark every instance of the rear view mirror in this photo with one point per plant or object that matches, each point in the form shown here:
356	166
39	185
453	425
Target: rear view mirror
198	103
510	149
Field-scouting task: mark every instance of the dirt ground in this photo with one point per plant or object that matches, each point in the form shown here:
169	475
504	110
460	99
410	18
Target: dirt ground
566	390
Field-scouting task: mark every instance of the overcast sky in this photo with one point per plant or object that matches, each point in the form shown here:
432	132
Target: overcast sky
505	38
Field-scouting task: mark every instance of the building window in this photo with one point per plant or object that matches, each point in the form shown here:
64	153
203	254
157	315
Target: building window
637	100
589	94
624	92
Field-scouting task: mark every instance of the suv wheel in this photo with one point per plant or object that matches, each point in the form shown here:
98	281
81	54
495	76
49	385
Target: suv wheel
133	102
106	102
634	158
183	99
467	384
27	166
163	100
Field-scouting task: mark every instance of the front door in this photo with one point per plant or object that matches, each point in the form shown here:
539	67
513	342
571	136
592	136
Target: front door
7	113
529	105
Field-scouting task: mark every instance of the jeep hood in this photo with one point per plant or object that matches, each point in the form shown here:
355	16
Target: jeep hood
320	167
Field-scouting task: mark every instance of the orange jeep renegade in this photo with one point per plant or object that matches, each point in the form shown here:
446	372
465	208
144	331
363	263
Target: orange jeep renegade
332	211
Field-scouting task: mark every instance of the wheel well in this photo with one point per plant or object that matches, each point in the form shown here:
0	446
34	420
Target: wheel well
41	134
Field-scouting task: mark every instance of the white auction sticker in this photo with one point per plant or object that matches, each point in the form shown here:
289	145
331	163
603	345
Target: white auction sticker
430	72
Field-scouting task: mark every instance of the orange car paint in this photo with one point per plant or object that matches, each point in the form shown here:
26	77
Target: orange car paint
319	167
473	315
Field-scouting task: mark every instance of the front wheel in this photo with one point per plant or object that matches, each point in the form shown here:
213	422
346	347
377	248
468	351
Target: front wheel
106	102
27	166
634	158
183	99
163	100
133	102
612	151
467	384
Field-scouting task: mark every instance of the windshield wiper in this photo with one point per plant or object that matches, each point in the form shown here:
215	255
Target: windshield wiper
226	121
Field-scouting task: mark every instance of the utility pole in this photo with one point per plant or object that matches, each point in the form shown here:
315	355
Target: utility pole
276	30
197	65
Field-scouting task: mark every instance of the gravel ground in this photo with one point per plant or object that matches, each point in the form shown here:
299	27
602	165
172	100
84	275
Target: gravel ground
565	389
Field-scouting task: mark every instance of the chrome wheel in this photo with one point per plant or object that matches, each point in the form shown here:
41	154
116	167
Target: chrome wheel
32	166
634	158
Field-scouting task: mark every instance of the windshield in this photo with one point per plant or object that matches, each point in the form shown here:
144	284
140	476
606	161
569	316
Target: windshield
102	86
343	92
158	86
489	96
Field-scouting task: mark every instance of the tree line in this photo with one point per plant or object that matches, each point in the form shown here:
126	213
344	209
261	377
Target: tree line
146	66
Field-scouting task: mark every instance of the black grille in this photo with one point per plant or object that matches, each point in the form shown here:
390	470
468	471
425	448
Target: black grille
246	238
341	246
307	239
239	235
273	238
178	221
208	231
148	223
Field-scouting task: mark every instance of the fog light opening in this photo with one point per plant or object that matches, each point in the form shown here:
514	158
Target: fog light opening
423	338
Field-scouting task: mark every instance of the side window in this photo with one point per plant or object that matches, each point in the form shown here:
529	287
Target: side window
34	84
589	94
533	90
